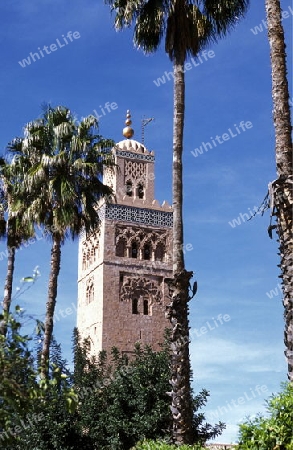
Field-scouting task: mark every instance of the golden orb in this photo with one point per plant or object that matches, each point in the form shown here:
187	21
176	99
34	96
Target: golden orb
128	132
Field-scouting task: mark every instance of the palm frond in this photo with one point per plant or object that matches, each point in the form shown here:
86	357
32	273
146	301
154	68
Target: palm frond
188	25
57	175
224	15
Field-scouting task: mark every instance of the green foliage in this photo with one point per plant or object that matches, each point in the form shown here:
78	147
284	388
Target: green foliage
274	432
50	425
203	431
59	165
17	375
186	28
160	445
124	401
34	413
108	403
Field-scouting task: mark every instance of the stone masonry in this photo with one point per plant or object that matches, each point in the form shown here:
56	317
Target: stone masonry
122	294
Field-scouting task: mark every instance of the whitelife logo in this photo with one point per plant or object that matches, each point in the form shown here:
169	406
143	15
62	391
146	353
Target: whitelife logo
48	49
264	26
220	139
200	59
232	404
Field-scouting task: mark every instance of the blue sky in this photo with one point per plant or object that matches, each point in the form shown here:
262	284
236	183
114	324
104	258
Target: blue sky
239	359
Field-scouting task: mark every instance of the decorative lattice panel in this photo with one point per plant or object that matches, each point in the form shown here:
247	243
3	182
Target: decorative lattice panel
135	170
137	215
135	156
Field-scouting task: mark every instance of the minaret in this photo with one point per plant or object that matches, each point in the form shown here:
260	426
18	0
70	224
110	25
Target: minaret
122	267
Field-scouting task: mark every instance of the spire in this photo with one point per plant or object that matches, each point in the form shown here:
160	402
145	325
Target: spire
128	131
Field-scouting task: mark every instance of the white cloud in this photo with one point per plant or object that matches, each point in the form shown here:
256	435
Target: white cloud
210	357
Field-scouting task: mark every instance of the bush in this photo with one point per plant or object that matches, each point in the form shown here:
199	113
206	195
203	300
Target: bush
160	445
108	403
125	402
34	413
273	432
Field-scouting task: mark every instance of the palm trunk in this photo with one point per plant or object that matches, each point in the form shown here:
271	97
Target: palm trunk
177	310
50	307
8	288
281	191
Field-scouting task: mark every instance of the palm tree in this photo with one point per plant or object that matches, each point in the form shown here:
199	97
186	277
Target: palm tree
62	188
281	189
15	228
188	27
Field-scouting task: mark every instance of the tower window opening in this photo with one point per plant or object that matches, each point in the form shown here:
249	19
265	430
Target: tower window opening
134	306
147	251
129	188
92	255
160	252
83	261
134	250
121	248
140	191
90	292
146	307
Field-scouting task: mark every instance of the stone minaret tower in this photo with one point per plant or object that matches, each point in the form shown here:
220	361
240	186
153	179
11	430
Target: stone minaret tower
121	290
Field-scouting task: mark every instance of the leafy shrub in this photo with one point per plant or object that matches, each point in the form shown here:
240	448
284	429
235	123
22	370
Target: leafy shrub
160	445
108	403
274	432
34	413
124	402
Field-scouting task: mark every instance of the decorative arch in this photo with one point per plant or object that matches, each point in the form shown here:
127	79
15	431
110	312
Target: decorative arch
160	252
134	249
92	255
147	251
129	188
121	246
140	287
140	190
90	291
84	264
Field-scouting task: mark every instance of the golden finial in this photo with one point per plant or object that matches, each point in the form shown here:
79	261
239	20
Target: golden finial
128	131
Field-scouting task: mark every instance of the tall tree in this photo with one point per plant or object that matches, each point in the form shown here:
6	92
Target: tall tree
188	27
62	188
281	194
12	225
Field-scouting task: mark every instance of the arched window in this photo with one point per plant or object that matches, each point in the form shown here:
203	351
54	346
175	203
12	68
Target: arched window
83	260
96	253
90	292
147	251
121	248
134	250
140	191
134	306
129	188
88	257
146	307
92	255
160	252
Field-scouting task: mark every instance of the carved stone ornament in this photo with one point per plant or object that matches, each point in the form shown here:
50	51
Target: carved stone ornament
136	287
